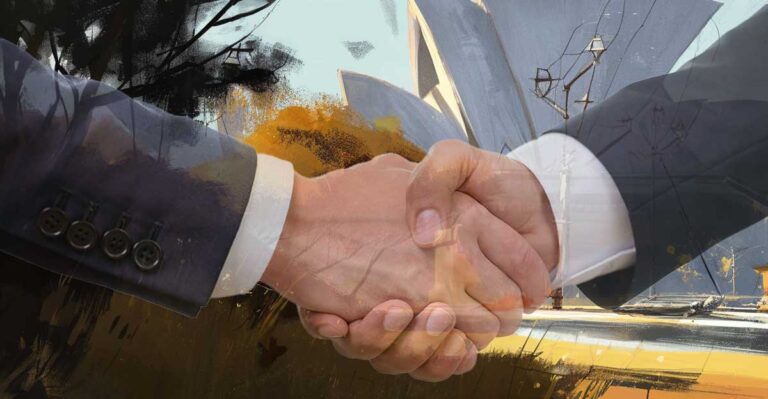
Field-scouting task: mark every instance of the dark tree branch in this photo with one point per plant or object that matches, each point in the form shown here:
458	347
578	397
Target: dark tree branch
175	52
244	14
57	67
108	40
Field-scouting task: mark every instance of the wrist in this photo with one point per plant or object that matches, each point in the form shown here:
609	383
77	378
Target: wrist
284	267
540	228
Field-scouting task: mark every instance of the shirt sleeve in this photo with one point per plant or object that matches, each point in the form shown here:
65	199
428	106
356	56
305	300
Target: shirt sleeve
593	223
260	228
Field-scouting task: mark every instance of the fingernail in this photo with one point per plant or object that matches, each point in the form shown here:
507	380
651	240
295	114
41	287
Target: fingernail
439	321
328	331
396	319
428	225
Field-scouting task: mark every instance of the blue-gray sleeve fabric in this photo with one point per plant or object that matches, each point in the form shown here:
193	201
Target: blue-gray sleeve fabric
60	134
689	154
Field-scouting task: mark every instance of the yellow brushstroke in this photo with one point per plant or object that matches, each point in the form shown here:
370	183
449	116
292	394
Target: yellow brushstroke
316	135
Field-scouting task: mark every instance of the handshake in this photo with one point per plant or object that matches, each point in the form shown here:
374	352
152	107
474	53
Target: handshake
416	267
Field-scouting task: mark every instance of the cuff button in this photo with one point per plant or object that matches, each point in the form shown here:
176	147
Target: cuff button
52	222
116	244
147	255
82	235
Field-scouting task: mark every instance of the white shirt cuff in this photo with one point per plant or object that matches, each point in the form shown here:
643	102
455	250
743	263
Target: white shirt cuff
260	228
592	220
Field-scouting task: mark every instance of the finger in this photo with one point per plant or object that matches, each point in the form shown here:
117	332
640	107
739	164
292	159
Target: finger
483	284
429	197
478	323
369	337
446	359
469	361
323	325
497	293
419	341
459	267
505	248
516	258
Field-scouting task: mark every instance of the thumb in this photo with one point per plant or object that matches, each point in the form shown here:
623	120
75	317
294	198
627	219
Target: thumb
323	325
429	197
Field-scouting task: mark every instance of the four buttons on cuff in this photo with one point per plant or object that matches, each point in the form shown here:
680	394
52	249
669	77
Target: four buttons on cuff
82	235
147	254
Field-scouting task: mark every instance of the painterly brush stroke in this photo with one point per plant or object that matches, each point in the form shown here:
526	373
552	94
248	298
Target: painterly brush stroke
155	50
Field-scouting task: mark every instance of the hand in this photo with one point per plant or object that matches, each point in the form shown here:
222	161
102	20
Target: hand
502	185
346	248
396	343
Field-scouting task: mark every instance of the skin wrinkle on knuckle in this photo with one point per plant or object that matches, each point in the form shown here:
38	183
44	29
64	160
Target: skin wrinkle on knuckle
520	254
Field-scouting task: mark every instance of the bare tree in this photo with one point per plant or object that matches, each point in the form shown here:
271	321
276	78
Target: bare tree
154	49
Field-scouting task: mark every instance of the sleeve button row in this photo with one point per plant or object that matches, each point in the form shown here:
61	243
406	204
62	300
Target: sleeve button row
82	236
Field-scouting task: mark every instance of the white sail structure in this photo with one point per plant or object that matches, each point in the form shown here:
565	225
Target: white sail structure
375	99
641	39
470	71
499	69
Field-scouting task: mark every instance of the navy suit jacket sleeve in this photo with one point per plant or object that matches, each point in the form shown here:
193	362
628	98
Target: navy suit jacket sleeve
79	159
689	154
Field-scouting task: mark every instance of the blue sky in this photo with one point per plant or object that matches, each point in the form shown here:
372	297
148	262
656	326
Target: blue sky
317	29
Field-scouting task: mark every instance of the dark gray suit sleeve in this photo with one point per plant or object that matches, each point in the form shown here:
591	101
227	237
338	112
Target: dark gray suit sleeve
689	154
79	159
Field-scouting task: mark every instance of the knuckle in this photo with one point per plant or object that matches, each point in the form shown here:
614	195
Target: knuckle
508	299
450	146
390	159
439	368
403	362
481	340
522	254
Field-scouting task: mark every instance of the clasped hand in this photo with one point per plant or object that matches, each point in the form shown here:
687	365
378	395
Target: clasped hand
417	267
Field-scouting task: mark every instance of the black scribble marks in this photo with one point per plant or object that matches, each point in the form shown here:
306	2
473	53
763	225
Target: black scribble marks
269	353
154	50
390	14
359	49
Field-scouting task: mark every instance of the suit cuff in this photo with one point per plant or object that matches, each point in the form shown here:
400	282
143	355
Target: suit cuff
593	223
260	228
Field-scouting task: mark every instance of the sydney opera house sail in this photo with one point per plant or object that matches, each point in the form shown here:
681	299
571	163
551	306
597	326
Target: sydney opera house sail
375	99
467	53
642	39
504	71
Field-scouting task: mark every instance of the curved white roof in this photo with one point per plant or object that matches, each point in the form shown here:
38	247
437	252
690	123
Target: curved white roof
474	77
644	38
374	99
